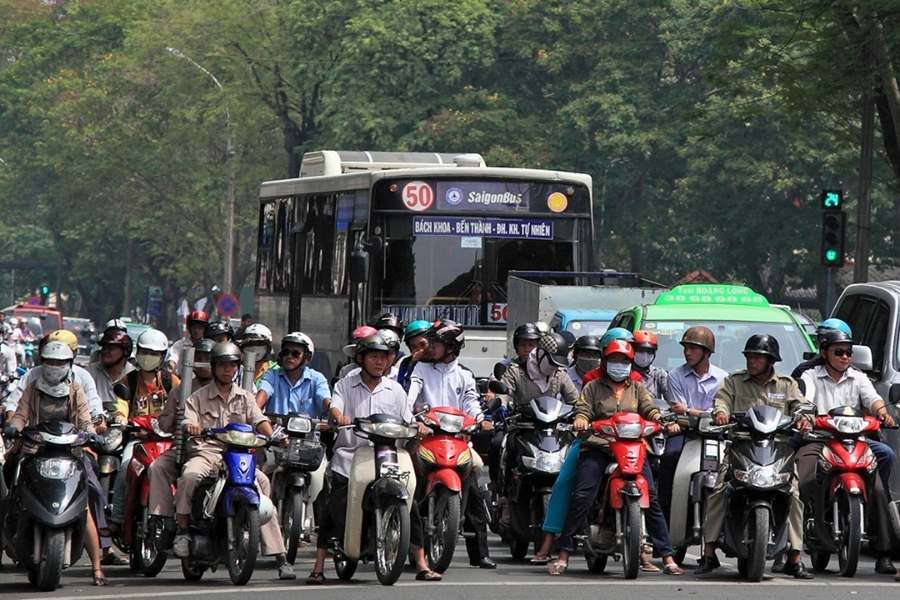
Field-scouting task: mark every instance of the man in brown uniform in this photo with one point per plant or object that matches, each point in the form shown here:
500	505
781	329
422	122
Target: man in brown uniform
215	405
758	385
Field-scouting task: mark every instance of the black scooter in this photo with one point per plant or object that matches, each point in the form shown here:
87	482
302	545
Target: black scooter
43	516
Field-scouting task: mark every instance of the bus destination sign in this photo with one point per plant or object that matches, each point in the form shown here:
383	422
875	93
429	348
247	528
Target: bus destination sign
532	229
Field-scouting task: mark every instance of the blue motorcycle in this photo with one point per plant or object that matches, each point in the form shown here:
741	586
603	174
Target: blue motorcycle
227	510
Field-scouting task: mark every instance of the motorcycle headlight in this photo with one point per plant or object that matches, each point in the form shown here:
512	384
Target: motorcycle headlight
112	440
244	439
450	423
849	424
548	462
56	468
629	431
763	477
299	425
394	431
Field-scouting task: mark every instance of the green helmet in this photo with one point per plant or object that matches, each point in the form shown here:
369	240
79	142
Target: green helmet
417	327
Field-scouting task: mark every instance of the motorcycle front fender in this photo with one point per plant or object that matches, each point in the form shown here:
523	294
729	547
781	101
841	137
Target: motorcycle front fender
852	483
635	488
448	478
239	494
385	491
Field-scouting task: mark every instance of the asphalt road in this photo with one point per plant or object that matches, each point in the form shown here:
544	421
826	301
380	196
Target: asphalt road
511	580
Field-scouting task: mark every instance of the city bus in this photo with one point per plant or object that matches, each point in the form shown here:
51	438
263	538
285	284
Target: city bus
420	235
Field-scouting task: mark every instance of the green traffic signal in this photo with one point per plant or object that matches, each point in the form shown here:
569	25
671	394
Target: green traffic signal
831	255
834	225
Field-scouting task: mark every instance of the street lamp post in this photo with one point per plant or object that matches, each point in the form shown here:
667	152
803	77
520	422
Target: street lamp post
227	281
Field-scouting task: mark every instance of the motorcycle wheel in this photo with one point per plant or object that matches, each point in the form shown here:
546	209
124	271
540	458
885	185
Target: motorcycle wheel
392	547
851	526
820	560
345	568
144	554
756	549
631	544
244	545
518	550
440	545
292	525
190	570
596	563
50	568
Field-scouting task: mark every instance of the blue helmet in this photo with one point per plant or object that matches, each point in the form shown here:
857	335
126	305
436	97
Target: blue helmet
834	324
417	327
616	333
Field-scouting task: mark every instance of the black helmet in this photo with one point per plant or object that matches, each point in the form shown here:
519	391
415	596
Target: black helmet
828	337
219	328
763	344
528	331
371	343
389	321
225	352
449	333
204	345
556	346
587	343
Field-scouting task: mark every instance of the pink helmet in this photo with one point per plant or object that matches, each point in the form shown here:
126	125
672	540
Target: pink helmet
363	331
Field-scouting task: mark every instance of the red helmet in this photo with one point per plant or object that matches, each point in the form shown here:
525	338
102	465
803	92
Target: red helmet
198	316
363	331
618	347
115	337
645	340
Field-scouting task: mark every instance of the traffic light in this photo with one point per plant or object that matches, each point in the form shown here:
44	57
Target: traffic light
832	199
834	226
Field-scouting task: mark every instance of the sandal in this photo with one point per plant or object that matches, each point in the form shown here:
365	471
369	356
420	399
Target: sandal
537	559
316	578
428	575
558	568
99	580
649	567
112	559
672	569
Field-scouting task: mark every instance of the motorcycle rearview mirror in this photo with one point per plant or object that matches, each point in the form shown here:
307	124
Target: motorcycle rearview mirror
807	409
494	404
499	370
862	357
120	390
498	387
483	386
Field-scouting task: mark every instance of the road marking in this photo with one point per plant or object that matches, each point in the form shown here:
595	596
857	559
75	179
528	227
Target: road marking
556	582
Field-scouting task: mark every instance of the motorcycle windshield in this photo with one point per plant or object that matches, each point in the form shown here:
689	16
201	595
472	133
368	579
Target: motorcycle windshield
548	409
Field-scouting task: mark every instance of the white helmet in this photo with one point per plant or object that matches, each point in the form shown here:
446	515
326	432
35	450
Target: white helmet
256	333
115	324
266	509
301	339
13	321
153	339
57	351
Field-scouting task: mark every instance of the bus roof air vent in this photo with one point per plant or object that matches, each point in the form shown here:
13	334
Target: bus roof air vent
336	162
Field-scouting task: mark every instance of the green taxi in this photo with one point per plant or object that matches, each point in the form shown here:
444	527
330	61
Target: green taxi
732	312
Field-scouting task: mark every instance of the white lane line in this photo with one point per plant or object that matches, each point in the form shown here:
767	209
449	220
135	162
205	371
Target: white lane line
362	585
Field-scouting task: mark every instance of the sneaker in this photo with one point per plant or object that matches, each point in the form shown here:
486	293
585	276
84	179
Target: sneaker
797	570
182	545
884	566
286	571
708	564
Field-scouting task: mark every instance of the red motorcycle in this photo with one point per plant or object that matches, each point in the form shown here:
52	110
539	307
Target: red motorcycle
849	466
135	526
445	460
619	527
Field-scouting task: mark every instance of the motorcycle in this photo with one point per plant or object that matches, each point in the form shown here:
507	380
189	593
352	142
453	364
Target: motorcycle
43	521
445	459
696	475
109	458
849	469
298	478
380	489
136	536
540	437
619	527
758	493
227	510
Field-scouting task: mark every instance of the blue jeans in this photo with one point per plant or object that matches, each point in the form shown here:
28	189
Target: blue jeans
558	506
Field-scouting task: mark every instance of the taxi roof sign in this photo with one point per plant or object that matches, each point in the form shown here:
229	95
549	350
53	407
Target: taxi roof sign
734	295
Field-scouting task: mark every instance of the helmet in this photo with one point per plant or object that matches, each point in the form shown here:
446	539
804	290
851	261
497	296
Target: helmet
225	352
117	337
153	339
645	340
57	350
364	331
391	339
556	346
204	345
587	343
763	344
833	323
256	333
371	343
526	331
417	327
616	333
618	347
115	324
266	509
700	336
299	338
833	336
450	333
198	316
13	321
66	337
388	321
219	328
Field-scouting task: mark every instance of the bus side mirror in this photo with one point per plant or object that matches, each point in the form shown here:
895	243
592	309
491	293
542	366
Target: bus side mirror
359	266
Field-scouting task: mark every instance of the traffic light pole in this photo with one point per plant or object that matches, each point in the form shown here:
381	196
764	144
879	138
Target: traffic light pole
829	291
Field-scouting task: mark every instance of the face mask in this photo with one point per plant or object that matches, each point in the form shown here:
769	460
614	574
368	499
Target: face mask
644	359
584	364
256	352
148	362
55	374
546	367
618	371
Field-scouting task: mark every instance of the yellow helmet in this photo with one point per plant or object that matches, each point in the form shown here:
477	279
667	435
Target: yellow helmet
66	337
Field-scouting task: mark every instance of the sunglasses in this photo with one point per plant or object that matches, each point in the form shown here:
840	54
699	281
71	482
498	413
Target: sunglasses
841	352
292	353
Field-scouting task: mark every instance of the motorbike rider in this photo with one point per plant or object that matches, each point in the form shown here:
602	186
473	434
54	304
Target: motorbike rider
215	405
837	383
197	322
201	378
113	366
415	339
393	341
55	395
442	381
601	398
257	341
8	361
654	379
818	360
219	331
360	394
360	333
525	339
586	355
388	321
295	387
758	384
691	389
20	335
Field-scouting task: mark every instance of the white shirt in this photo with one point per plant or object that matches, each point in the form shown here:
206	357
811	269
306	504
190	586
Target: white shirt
8	362
352	369
81	376
853	389
444	384
353	399
174	354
